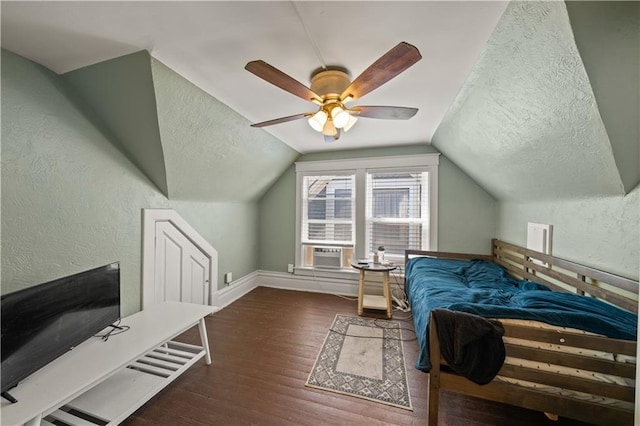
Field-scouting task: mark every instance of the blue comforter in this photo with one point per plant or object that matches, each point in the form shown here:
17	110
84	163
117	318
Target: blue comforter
484	288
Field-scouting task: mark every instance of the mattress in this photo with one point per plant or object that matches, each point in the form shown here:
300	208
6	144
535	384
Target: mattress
485	289
566	371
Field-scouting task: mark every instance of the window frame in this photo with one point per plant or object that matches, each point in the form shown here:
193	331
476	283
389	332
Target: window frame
424	207
303	205
360	167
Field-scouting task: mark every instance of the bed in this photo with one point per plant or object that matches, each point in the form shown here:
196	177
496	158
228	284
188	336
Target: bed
581	367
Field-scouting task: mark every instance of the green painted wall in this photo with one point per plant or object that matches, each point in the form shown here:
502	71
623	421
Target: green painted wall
277	223
525	125
120	92
231	228
600	232
212	153
607	34
72	201
466	213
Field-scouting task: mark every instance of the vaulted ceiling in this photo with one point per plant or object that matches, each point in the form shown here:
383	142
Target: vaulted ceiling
527	124
525	97
209	43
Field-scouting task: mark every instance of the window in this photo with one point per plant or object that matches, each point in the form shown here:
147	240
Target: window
347	208
328	216
328	220
397	215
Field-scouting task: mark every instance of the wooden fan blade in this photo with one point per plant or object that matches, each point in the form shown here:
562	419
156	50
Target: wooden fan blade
278	78
385	112
384	69
283	119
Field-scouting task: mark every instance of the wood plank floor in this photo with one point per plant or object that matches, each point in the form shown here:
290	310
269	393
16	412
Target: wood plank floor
263	348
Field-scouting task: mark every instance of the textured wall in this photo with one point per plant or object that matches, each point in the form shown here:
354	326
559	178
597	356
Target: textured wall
120	92
601	232
525	125
278	223
211	152
607	34
72	201
466	213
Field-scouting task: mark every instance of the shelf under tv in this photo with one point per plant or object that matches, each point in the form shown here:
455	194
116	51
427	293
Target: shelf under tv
103	382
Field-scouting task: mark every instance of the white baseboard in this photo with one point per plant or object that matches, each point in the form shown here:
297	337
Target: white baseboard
288	281
238	288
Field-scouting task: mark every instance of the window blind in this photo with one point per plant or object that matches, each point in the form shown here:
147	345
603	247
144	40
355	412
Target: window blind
328	209
397	211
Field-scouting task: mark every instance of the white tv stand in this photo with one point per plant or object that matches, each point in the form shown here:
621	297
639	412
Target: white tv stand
109	380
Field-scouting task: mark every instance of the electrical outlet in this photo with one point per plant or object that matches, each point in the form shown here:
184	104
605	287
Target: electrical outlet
290	268
228	277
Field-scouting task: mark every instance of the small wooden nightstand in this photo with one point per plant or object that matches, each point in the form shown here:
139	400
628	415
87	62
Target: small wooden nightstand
366	301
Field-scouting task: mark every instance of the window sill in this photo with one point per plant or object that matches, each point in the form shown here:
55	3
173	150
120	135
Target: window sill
342	274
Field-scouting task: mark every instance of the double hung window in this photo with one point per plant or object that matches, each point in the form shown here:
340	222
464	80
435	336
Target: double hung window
328	209
346	209
397	211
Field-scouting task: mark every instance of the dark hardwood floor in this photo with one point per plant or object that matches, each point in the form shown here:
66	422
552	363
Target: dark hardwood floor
263	348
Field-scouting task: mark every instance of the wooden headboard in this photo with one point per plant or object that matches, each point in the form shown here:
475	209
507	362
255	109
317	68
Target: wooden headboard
558	274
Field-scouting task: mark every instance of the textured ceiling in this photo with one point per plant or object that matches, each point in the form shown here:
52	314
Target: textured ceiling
526	124
190	145
544	109
208	43
608	37
120	92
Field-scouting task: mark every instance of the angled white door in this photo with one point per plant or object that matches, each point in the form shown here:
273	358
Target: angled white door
181	268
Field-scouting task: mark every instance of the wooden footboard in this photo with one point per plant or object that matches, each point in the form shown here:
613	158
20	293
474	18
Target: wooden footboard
560	275
442	378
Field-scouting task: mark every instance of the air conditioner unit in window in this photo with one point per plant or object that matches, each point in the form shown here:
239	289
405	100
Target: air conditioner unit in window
327	257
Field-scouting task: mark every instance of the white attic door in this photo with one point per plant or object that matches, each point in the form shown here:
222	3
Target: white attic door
178	264
182	269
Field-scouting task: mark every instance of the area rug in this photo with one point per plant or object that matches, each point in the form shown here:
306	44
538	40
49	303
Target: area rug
363	357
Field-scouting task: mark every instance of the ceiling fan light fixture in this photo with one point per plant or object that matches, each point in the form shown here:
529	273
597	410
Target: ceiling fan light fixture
340	116
331	88
329	129
332	138
350	123
318	120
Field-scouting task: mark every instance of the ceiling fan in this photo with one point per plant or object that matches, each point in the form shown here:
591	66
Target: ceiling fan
331	89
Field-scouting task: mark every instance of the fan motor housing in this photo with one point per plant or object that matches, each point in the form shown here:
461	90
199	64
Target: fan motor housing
330	84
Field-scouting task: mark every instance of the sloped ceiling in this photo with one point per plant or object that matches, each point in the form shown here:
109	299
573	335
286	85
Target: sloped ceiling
608	37
120	92
190	145
549	110
209	43
212	153
526	124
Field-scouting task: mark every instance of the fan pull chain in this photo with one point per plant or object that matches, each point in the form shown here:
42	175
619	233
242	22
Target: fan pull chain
306	31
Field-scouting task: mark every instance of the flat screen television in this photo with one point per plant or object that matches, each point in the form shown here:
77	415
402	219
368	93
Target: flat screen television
42	322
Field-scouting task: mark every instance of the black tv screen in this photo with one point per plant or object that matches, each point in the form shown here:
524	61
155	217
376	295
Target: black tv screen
42	322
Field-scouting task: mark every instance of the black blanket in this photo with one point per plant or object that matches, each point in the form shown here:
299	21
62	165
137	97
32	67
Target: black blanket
471	345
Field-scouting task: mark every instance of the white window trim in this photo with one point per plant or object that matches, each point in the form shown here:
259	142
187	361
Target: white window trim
425	205
360	166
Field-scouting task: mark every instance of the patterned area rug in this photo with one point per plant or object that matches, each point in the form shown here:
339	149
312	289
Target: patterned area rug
363	357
